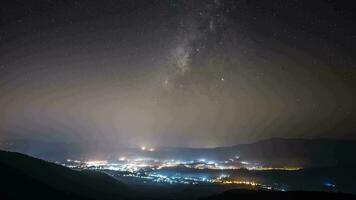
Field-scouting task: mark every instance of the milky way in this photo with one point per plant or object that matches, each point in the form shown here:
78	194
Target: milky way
176	73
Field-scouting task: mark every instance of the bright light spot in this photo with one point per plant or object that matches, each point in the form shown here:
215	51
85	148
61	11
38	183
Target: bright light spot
143	148
151	149
329	184
122	158
96	162
222	79
211	163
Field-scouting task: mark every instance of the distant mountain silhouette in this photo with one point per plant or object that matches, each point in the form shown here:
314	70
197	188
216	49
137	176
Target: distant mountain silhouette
273	152
279	152
24	177
50	151
293	195
304	152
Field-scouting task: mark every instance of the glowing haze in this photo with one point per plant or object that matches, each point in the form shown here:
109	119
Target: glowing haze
176	73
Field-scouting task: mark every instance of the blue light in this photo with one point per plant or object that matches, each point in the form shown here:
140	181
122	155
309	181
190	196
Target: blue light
328	184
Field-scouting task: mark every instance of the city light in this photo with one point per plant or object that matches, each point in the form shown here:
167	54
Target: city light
96	163
149	170
145	148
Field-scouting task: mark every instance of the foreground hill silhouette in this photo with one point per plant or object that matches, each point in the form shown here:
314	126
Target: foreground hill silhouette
24	177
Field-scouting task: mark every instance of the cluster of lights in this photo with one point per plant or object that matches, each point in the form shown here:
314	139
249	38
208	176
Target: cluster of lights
144	148
238	182
96	163
223	179
148	169
135	164
274	168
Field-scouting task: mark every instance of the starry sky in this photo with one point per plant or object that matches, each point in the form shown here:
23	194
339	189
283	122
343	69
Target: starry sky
197	73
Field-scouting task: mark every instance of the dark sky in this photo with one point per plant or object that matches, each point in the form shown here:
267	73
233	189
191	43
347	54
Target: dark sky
196	73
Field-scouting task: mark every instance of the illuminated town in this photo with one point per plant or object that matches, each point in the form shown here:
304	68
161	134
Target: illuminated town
173	171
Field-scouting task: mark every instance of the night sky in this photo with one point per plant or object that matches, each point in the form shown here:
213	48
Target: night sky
197	73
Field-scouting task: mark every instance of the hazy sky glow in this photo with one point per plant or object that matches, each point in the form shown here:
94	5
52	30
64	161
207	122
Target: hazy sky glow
176	73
